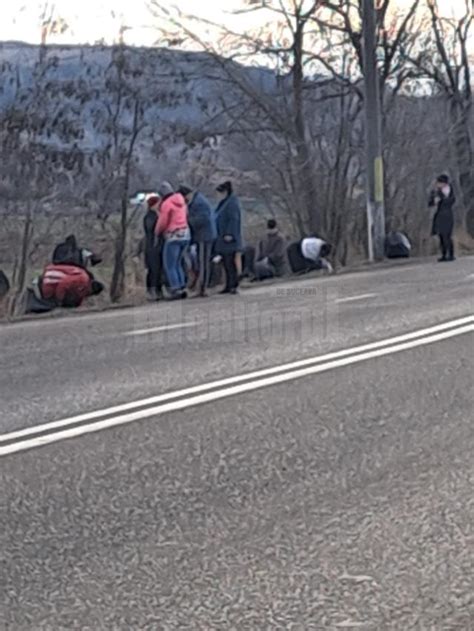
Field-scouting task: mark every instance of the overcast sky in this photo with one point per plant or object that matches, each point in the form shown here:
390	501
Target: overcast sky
93	20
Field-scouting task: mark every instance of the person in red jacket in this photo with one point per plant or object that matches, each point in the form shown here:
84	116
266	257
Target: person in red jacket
68	285
172	226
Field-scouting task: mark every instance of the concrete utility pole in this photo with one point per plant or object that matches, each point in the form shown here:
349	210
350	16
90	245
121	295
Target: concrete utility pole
373	120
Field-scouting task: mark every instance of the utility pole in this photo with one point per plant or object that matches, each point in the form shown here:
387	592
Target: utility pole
373	124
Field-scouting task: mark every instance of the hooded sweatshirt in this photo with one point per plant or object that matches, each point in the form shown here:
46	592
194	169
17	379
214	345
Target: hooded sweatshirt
173	218
311	248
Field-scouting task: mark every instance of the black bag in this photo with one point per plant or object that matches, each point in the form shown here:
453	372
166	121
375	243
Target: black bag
397	246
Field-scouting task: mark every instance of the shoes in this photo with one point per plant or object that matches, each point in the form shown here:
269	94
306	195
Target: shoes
154	296
451	259
443	259
203	293
232	292
178	295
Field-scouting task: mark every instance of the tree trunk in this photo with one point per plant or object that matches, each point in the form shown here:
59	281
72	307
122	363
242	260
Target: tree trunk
117	286
305	175
16	303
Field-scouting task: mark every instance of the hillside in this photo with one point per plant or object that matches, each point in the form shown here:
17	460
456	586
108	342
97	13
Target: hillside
178	88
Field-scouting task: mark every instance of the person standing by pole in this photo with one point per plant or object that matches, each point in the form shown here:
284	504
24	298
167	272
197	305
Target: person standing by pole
373	124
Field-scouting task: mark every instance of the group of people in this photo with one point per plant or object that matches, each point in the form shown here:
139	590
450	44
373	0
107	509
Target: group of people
186	239
184	234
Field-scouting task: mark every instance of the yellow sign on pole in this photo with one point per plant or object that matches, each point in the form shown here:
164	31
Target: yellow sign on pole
379	192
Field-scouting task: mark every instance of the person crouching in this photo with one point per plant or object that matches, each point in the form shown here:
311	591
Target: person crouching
68	286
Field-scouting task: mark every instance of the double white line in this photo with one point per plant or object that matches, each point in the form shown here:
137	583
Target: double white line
55	431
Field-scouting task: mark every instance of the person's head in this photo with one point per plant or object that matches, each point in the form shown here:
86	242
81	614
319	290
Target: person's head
225	189
272	226
153	202
442	181
165	190
186	192
326	250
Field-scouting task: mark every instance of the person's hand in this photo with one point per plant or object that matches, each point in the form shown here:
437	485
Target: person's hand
228	238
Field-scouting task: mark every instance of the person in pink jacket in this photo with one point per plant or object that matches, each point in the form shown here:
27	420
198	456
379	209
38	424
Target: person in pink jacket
172	226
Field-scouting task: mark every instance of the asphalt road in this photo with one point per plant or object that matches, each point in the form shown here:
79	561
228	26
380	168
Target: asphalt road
335	496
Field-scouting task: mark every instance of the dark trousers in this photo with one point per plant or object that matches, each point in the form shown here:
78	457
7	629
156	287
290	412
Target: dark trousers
231	274
248	261
447	245
153	280
204	262
153	270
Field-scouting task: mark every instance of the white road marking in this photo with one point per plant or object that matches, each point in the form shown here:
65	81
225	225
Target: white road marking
158	329
125	407
355	298
198	395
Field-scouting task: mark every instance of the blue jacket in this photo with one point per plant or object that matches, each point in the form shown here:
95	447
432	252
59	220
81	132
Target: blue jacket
201	219
229	223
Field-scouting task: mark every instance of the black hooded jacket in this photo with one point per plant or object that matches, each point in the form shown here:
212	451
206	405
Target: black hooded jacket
443	221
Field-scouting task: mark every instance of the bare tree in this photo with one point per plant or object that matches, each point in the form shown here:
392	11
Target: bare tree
33	170
396	30
281	110
119	119
314	52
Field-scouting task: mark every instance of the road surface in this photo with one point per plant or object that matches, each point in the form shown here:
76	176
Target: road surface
299	457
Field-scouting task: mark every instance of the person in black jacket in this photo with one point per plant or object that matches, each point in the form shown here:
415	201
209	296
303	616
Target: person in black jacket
229	235
443	222
152	249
